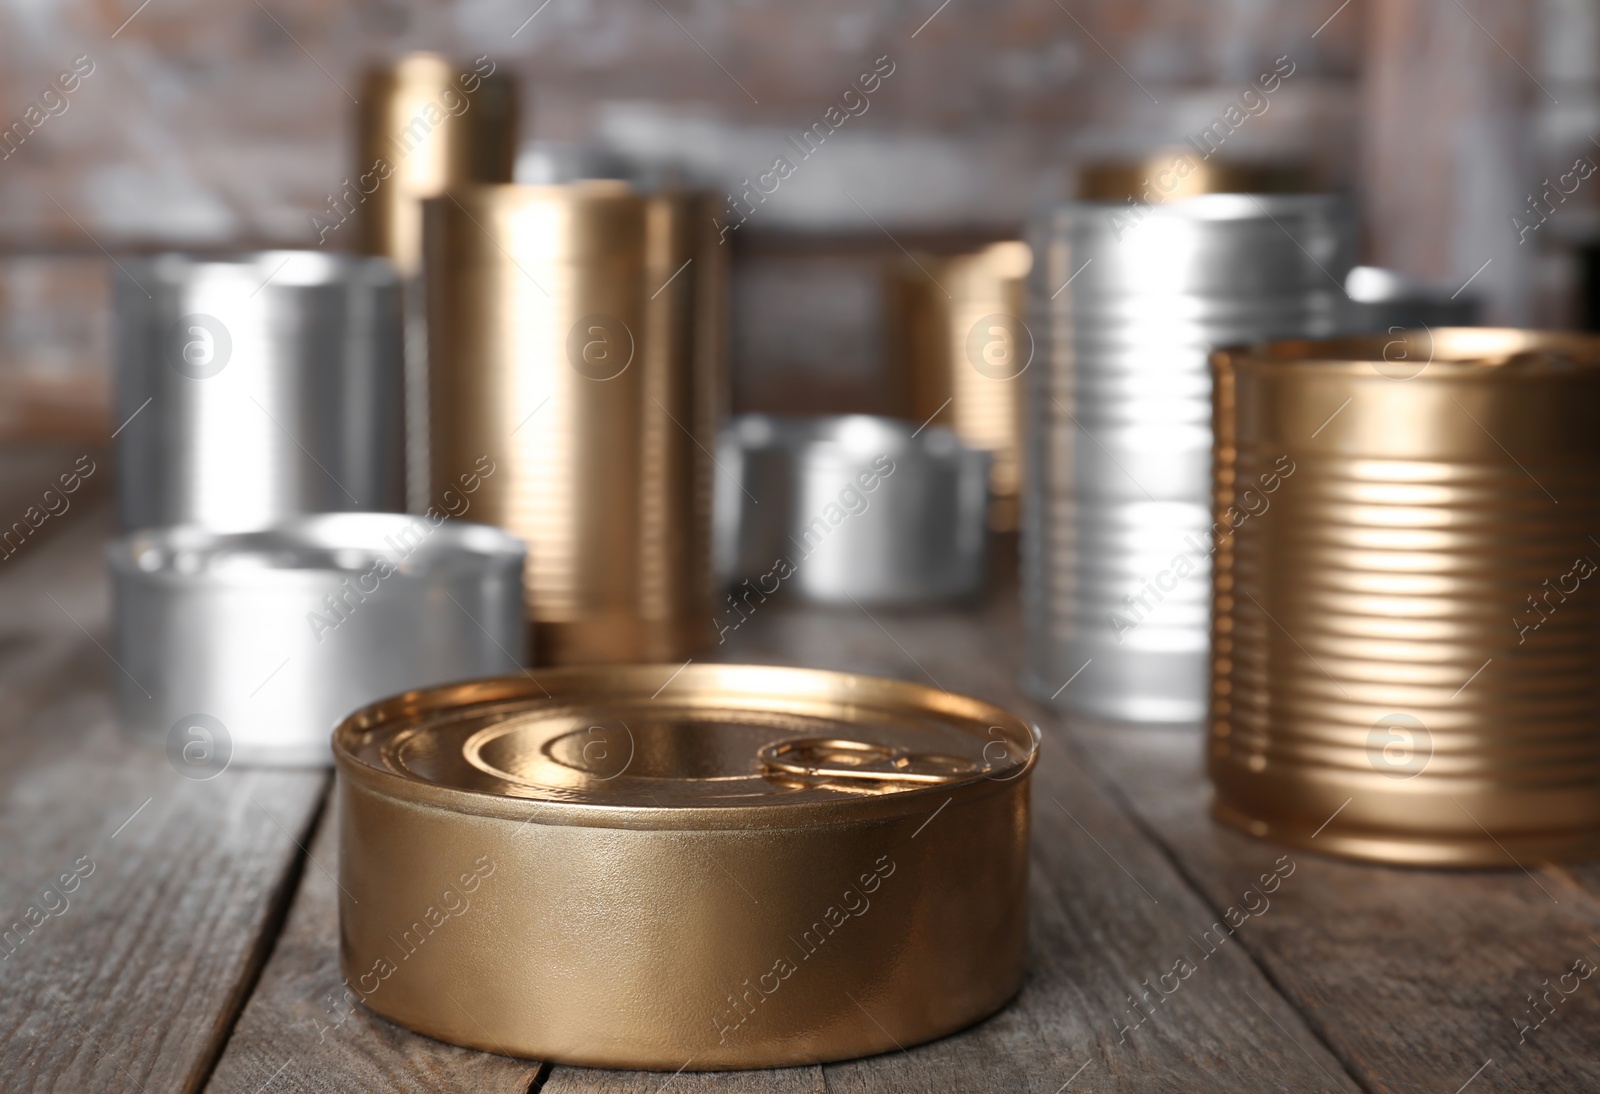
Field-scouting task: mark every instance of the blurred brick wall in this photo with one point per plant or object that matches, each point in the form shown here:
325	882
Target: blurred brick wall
228	121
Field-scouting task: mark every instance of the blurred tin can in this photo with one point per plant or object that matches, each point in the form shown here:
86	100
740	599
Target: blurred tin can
426	124
1405	631
573	337
1127	301
637	866
959	347
849	508
1176	173
251	646
254	388
1386	300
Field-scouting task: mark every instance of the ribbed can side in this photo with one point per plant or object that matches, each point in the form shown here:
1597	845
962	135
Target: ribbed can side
564	349
1125	305
1407	640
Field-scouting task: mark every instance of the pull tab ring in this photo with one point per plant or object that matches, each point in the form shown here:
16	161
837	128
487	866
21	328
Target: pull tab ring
842	758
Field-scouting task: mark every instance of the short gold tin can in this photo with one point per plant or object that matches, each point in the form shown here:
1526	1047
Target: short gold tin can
573	341
426	123
960	345
664	867
1406	623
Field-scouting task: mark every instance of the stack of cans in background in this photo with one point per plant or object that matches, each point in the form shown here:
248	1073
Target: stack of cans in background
545	359
1126	302
861	509
257	391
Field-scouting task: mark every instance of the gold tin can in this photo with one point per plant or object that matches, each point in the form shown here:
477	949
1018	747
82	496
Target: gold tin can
712	867
959	346
426	124
1405	636
573	347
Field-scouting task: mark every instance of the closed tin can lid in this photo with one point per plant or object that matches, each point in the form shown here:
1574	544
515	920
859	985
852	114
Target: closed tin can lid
711	866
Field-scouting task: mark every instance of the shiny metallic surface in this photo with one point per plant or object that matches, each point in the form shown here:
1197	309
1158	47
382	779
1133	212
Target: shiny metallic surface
257	387
573	340
849	508
426	124
1126	303
959	348
1172	174
1387	301
1405	642
637	867
278	634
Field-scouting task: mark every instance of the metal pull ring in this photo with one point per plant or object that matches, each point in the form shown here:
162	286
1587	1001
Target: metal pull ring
842	758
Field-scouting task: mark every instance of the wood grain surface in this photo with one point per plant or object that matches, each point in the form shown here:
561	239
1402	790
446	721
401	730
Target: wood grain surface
199	951
302	1032
1109	914
137	904
1418	980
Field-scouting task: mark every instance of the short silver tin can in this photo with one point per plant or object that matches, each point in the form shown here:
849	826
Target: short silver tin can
250	647
257	386
850	508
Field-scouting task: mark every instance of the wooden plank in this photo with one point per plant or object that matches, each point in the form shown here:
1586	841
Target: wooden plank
1417	979
1583	875
302	1030
127	974
35	502
789	1080
1108	912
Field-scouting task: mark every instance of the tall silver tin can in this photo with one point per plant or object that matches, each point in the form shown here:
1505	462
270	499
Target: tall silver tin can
251	646
256	387
1126	302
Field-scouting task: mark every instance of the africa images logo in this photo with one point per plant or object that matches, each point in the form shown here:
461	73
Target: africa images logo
198	346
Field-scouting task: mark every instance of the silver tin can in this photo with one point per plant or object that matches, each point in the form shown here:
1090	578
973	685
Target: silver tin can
1389	301
252	646
850	508
1125	304
256	387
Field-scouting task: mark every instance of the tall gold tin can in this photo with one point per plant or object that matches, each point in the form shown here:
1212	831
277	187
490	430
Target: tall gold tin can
1406	625
573	347
710	867
959	346
426	124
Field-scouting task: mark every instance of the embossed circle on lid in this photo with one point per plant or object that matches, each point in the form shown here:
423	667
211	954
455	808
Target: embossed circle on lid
717	736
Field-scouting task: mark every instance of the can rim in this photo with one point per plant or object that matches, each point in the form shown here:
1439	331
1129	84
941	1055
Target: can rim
317	534
1498	354
740	684
281	267
1199	209
848	438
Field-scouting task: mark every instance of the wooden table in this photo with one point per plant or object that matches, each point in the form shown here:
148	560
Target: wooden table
197	948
